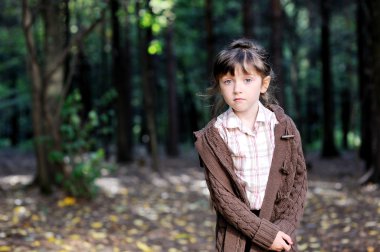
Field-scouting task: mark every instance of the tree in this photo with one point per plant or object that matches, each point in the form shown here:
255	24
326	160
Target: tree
148	85
172	142
276	47
328	147
247	12
48	87
293	38
121	81
374	10
210	40
364	76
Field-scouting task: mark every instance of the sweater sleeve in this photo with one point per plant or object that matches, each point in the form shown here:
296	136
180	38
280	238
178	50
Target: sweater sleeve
294	203
261	231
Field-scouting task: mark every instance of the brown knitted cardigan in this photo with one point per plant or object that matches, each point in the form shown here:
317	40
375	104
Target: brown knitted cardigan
284	198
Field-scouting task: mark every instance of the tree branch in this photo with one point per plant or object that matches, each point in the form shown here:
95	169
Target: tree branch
73	42
27	22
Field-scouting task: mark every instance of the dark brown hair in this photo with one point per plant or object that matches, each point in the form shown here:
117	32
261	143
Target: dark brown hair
247	54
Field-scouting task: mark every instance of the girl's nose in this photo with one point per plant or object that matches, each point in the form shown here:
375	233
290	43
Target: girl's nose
237	87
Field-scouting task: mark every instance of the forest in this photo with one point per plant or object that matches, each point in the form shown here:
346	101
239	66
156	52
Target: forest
91	90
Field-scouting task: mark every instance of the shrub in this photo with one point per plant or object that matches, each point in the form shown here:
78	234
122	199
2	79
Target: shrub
81	154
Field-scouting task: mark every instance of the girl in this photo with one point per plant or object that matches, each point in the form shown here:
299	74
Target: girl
252	155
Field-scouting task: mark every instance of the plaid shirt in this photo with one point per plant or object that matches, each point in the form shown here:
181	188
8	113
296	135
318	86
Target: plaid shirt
251	150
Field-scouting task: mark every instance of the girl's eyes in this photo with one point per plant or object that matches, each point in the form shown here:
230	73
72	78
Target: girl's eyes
249	80
227	82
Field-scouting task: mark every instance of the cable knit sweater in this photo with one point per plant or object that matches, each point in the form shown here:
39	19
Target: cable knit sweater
284	198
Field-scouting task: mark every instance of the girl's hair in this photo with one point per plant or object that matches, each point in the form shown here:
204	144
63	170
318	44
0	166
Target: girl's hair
247	54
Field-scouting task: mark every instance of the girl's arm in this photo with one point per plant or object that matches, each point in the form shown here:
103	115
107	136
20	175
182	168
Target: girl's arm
261	231
294	203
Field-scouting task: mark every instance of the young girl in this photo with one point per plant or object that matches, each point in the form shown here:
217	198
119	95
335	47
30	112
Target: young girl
252	155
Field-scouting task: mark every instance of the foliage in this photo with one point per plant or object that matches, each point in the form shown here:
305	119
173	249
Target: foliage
83	159
301	55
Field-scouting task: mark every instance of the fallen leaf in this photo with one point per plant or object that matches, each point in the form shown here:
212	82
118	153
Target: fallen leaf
96	225
143	247
67	201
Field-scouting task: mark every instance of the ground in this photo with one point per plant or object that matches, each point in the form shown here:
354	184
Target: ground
139	210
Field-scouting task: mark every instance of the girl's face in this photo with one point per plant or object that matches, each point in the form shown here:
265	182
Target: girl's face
241	91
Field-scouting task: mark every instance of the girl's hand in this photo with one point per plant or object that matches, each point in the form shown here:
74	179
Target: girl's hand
281	242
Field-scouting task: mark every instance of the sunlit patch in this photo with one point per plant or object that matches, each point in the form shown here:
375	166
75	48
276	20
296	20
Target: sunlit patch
12	181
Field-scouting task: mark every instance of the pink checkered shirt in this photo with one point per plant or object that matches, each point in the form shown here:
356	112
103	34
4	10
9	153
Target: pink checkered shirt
251	150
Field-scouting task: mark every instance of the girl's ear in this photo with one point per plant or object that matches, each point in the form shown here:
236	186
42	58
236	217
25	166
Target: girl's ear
265	84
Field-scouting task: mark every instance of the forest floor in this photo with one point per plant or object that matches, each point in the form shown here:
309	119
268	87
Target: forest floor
139	210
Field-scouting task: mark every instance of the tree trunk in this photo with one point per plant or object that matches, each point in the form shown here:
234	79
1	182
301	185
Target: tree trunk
247	11
374	8
172	143
119	82
35	71
346	109
328	148
148	85
127	76
276	50
66	10
209	34
364	72
104	66
15	115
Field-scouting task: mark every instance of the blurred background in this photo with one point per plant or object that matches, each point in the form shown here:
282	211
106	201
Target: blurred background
91	88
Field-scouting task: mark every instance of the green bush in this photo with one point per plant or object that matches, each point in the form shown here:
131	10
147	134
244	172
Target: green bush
81	154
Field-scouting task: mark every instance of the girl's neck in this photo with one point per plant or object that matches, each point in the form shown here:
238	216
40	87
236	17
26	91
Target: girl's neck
248	118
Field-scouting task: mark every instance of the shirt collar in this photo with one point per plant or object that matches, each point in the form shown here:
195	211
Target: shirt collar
231	120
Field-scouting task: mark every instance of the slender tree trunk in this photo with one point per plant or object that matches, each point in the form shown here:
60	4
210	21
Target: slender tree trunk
374	7
104	66
276	42
172	141
66	10
118	79
328	148
364	72
209	34
127	56
247	11
148	91
346	109
42	175
14	120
